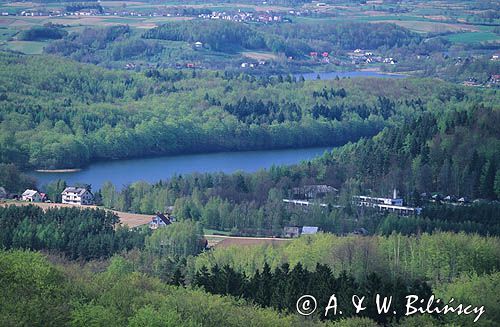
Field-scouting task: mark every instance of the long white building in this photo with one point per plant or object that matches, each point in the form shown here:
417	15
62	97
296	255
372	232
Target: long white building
393	204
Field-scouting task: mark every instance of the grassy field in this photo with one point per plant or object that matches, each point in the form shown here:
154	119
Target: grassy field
207	231
27	47
473	37
429	26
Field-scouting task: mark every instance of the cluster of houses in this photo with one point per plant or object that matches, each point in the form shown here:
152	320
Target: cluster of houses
355	57
242	16
359	56
253	65
322	56
295	231
70	195
493	81
309	195
445	199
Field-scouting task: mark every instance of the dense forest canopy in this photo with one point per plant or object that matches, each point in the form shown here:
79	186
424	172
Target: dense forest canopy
40	33
56	113
73	232
260	285
449	150
296	39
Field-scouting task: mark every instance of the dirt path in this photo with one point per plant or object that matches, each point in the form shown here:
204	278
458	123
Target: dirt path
225	241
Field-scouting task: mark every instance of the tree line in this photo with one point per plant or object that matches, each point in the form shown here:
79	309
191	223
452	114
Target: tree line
76	233
281	288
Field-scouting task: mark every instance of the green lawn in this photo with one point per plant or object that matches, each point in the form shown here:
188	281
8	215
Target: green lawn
27	47
215	232
473	37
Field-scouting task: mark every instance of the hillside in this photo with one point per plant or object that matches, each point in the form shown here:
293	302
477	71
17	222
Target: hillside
56	113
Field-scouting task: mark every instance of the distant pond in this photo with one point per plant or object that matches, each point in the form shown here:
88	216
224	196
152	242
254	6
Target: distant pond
122	172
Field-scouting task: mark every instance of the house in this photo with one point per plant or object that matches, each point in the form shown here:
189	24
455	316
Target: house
495	79
159	220
31	196
313	191
77	195
291	231
436	198
309	230
43	197
198	45
294	231
450	198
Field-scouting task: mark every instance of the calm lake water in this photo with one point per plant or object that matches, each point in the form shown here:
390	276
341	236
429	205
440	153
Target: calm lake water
333	75
121	172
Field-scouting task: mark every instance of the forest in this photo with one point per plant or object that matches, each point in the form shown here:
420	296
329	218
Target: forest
72	232
99	93
451	153
258	287
430	137
230	37
54	118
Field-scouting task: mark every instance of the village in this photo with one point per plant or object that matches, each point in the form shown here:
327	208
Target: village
96	10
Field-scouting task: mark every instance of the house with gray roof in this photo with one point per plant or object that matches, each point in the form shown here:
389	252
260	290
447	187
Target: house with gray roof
31	196
77	195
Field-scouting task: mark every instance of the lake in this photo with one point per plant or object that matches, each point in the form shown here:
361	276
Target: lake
122	172
333	75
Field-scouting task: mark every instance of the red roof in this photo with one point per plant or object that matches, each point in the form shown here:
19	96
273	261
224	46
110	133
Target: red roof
325	54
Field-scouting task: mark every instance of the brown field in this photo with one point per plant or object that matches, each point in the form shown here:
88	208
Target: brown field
20	4
120	3
259	55
129	219
139	22
374	13
427	27
436	17
225	241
